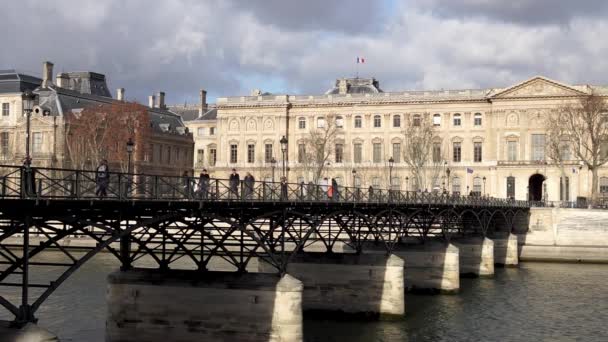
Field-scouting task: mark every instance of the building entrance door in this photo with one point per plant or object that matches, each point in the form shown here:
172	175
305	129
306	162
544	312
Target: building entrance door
535	187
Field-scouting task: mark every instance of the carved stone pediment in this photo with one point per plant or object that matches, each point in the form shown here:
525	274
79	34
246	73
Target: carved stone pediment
538	87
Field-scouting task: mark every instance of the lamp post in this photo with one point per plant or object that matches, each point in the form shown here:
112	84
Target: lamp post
391	162
273	164
354	177
130	147
484	185
28	98
447	173
283	142
407	184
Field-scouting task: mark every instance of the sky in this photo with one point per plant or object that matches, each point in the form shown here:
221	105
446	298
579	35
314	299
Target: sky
230	47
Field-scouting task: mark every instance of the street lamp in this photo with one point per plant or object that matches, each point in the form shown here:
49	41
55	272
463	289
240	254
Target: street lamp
354	176
407	183
130	147
447	173
391	162
283	142
28	98
484	185
273	164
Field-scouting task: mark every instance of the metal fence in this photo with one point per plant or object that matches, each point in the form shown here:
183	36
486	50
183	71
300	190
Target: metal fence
55	183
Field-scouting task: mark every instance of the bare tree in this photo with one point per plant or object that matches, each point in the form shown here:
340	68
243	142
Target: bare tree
319	145
558	145
418	134
586	123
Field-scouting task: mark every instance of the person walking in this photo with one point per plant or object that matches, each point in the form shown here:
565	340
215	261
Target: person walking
102	179
249	183
325	188
335	194
187	184
233	183
284	195
203	184
312	192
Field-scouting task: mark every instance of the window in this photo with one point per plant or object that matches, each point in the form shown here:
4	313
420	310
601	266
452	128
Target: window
168	161
4	145
339	153
564	150
436	120
564	191
377	152
233	153
604	149
457	153
512	150
456	185
357	181
477	152
250	153
267	153
358	121
538	147
200	155
357	152
476	186
397	152
396	183
510	187
416	120
436	152
457	119
320	122
37	142
377	121
397	121
376	182
604	186
212	156
151	153
211	130
302	123
301	153
477	119
339	122
6	109
200	131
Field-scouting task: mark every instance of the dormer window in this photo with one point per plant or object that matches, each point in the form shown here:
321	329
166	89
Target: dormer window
164	127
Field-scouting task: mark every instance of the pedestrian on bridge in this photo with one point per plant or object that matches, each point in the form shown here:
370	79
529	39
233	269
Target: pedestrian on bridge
335	193
203	184
325	187
249	184
233	183
284	195
102	179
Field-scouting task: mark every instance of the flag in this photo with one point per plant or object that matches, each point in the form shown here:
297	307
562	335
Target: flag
360	60
469	170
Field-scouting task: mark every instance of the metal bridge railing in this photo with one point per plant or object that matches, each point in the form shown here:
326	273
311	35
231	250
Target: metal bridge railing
55	183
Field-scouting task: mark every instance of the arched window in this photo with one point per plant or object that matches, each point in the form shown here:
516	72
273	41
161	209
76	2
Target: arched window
358	121
321	122
456	185
302	123
604	186
339	121
457	119
397	121
436	119
377	121
476	186
477	119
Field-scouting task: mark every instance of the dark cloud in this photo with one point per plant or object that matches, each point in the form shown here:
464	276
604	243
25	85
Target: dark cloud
534	12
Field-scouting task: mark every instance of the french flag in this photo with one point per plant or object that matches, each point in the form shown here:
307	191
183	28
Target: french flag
360	60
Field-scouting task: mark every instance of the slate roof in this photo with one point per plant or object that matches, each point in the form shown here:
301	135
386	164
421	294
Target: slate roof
357	86
191	113
11	81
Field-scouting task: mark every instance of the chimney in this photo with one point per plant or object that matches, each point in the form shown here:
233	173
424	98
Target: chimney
151	100
203	107
47	74
161	100
120	94
63	80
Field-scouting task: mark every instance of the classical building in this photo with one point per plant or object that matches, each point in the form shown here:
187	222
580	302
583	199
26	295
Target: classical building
169	147
491	140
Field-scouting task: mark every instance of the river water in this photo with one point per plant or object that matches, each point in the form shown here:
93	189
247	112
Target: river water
535	302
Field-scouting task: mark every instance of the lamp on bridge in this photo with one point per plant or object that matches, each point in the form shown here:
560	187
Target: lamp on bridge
354	176
130	147
28	98
391	162
273	164
283	142
484	185
407	183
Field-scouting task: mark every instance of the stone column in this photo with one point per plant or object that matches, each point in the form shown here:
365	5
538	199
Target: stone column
147	305
368	285
505	250
476	256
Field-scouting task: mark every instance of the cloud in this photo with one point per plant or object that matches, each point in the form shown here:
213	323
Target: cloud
230	47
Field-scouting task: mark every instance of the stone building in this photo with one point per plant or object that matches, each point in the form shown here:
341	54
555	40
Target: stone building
491	140
169	146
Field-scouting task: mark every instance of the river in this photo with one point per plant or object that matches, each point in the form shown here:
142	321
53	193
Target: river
535	302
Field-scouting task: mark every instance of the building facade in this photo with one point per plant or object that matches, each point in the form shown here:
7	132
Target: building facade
492	141
168	147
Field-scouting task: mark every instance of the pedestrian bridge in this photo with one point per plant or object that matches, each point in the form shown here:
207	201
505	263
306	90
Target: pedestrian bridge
175	223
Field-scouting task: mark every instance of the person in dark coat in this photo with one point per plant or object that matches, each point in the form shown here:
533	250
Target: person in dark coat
203	184
335	193
234	182
102	179
249	183
284	195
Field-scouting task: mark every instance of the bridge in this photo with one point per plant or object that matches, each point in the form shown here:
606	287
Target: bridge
180	223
